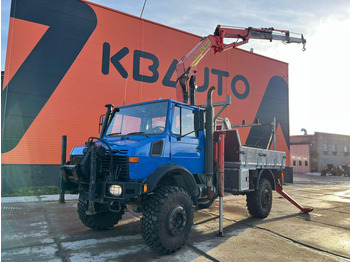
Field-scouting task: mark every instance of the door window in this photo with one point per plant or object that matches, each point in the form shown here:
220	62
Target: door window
187	122
183	122
175	127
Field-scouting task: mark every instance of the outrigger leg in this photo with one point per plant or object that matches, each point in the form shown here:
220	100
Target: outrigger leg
279	189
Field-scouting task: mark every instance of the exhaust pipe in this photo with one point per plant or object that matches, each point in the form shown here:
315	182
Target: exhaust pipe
209	164
105	121
193	90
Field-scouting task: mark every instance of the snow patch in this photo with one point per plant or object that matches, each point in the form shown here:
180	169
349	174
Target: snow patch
313	174
114	255
24	199
56	197
40	253
79	244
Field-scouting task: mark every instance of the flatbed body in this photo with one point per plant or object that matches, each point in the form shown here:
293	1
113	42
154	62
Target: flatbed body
243	163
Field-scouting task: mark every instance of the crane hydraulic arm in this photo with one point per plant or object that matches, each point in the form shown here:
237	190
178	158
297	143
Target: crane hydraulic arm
186	82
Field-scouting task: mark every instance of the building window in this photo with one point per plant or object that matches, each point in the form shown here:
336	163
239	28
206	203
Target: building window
294	163
306	163
325	148
346	149
334	148
300	163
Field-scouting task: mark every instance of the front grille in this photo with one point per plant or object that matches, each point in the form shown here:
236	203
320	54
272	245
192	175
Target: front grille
120	164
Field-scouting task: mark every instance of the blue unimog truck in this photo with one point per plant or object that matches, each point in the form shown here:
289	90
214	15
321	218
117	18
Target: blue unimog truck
158	157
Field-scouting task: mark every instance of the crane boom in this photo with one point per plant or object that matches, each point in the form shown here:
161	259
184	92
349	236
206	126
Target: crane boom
186	82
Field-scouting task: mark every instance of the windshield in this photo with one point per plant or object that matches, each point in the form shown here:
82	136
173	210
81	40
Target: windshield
146	119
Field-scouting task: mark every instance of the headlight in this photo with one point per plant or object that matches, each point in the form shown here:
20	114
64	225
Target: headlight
115	190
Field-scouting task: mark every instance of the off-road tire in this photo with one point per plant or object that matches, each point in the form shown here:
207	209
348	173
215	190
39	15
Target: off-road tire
167	219
259	202
102	220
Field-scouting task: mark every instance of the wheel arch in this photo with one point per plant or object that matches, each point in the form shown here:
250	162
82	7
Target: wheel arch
267	174
182	177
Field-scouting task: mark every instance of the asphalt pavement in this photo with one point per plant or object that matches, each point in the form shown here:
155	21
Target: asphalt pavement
41	229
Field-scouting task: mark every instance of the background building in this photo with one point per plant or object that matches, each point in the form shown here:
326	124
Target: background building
312	153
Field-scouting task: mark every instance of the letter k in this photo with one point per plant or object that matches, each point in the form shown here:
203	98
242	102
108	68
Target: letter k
115	60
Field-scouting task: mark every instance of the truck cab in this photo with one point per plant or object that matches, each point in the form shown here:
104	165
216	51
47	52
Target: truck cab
154	134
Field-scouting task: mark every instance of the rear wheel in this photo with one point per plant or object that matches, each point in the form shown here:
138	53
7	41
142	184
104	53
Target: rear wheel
259	202
103	219
167	219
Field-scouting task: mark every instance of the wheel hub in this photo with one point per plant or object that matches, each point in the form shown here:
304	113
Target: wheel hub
177	220
265	200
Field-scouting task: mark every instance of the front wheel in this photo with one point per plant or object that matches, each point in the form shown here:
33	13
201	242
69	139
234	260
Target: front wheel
103	219
167	219
259	202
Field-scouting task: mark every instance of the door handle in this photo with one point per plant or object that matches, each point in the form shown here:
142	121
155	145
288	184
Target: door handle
199	148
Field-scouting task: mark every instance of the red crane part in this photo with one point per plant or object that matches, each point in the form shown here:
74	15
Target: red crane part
185	68
279	189
221	164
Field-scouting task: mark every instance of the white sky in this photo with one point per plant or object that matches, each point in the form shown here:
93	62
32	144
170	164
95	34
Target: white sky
319	87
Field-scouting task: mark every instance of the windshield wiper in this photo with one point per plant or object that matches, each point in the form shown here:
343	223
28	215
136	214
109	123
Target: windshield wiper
114	134
137	133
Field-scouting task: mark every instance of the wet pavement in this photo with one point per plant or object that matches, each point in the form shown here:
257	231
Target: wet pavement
40	229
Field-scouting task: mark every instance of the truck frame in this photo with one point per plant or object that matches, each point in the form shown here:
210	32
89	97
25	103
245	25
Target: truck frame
163	157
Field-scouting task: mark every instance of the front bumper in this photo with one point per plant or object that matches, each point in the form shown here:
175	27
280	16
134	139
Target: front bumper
92	179
130	191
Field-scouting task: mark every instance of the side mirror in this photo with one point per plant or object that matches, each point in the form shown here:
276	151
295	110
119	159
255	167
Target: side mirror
199	120
100	122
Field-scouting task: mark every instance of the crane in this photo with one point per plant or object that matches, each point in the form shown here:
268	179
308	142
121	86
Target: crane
186	82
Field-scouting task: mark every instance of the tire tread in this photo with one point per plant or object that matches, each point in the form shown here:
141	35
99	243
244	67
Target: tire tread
152	209
253	201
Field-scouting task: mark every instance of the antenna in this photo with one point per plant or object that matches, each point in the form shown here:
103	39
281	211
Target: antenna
126	85
143	8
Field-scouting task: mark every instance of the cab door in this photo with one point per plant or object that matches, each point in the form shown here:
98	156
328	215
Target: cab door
187	145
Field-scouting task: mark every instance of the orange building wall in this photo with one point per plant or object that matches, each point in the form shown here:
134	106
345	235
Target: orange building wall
78	99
